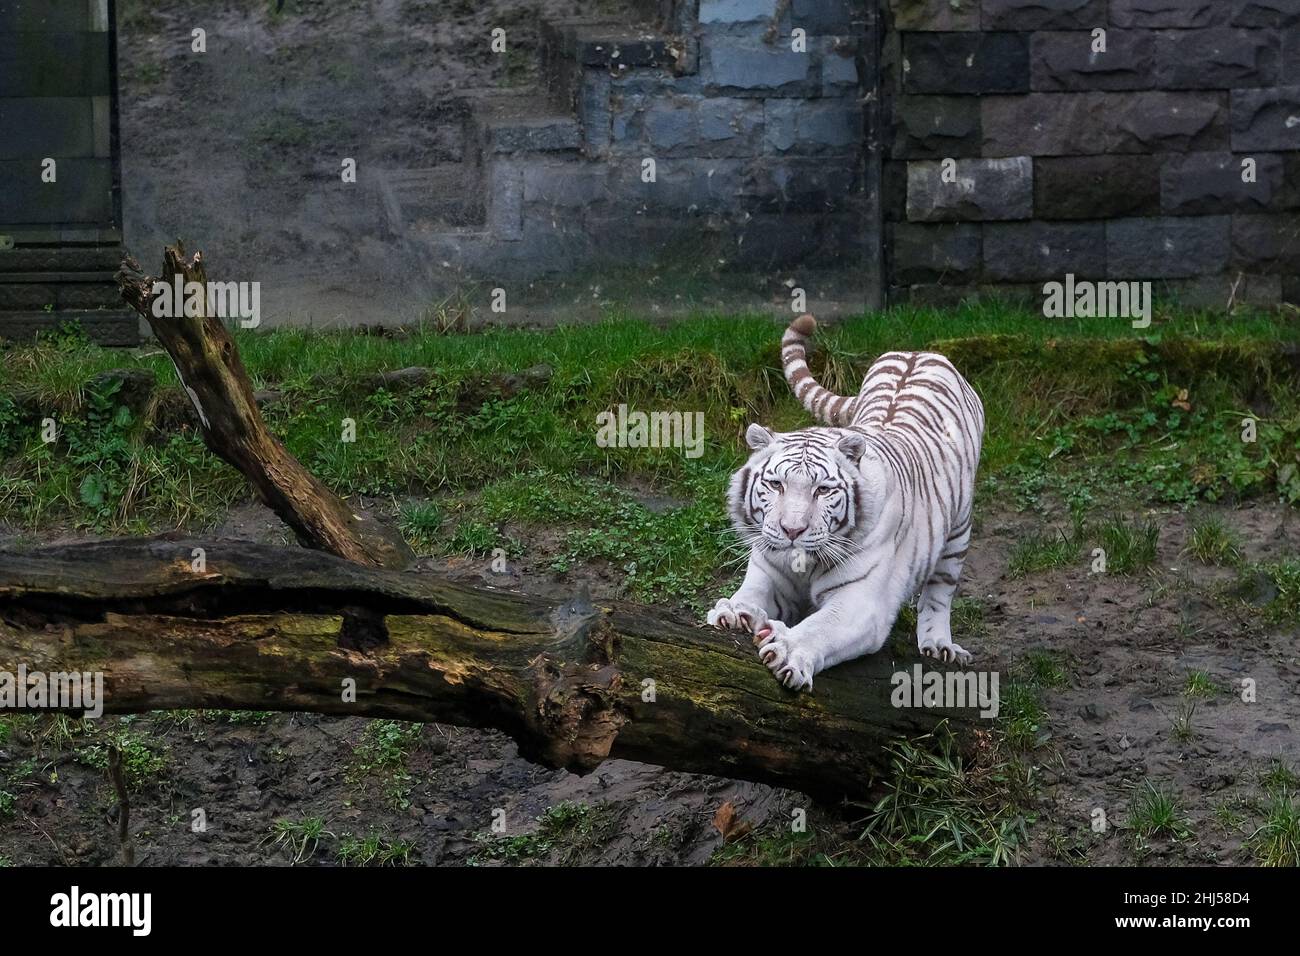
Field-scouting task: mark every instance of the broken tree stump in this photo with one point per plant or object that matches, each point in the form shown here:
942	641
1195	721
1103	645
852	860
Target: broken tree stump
258	628
213	376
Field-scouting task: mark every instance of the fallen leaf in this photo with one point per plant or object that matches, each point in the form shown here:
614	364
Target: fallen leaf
726	823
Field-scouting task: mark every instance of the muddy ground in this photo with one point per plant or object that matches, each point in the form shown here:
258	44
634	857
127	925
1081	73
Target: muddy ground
1125	646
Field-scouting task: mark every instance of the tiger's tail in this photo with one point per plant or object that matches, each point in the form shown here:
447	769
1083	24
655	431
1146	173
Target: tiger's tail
824	405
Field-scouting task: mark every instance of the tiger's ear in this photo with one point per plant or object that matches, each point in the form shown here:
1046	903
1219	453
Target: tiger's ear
758	437
853	446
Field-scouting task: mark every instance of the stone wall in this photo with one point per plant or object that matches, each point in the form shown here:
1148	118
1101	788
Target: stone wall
1132	163
757	144
59	222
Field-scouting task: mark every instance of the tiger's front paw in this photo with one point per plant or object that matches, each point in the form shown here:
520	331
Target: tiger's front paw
943	649
793	666
733	615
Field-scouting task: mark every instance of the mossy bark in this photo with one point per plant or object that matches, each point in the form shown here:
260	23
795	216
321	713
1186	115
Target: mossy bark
260	628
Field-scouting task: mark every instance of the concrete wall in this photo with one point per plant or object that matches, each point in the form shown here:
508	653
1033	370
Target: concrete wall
1123	164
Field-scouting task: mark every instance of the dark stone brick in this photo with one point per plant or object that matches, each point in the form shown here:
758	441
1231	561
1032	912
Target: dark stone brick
936	126
740	67
823	16
983	189
839	69
780	241
1266	119
82	58
943	15
1167	248
1291	57
1291	289
1200	183
1179	14
736	11
1217	58
1265	13
965	63
36	128
934	252
689	185
801	185
107	327
1215	292
1066	61
1266	244
82	192
49	16
1096	187
729	126
570	185
1288	195
893	189
798	126
88	295
1044	14
1026	251
1064	124
27	296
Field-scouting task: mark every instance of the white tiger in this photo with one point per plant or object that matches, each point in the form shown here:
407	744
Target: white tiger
848	522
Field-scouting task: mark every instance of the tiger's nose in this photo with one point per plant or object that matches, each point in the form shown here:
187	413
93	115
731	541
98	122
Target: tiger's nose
793	533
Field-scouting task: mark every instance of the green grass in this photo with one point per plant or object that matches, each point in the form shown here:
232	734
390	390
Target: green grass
1078	410
1044	669
299	838
1210	542
1041	551
143	759
1279	777
1129	546
381	755
1155	811
939	811
562	834
1183	721
1200	684
1022	714
1285	576
374	850
1276	842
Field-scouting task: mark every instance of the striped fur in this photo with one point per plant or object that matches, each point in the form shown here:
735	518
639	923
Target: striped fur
849	520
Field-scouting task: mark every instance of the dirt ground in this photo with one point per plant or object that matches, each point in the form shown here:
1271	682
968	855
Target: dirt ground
1126	646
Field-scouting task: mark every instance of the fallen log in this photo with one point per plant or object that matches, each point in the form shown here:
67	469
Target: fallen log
259	628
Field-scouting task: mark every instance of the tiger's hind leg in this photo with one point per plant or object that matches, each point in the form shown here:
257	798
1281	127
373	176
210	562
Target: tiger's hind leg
934	609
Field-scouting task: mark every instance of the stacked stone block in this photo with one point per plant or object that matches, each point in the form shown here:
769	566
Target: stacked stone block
1127	164
758	149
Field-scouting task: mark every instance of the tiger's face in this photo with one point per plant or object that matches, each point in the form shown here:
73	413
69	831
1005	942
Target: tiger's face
800	490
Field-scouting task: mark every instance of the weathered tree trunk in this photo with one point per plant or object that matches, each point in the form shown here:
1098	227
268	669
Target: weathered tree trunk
213	376
259	629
